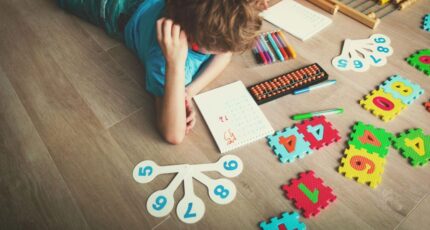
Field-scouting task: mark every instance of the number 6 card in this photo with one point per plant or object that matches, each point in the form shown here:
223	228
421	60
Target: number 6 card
359	55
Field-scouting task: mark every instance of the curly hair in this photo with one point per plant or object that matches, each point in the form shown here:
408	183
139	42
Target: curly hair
217	25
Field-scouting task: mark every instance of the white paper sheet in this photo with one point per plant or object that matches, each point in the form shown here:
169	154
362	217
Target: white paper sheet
232	116
296	19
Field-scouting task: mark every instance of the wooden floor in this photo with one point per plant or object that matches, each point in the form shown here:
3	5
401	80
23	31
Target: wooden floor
75	119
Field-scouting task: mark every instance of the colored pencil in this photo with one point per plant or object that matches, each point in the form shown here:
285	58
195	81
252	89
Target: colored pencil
261	53
280	46
275	47
266	46
290	48
263	50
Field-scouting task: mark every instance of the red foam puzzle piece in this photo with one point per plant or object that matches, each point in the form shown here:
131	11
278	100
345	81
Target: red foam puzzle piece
329	135
309	193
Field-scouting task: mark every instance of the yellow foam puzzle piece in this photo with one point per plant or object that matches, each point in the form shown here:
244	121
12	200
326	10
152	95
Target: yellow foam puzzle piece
382	105
365	167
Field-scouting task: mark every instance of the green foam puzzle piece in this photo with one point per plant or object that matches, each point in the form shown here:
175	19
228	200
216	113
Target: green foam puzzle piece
421	61
370	138
415	145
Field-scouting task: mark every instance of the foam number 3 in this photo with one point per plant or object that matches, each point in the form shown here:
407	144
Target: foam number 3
222	191
230	166
145	171
190	209
160	203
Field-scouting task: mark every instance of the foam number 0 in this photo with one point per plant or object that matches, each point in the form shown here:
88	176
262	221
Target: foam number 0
190	209
160	203
361	163
145	171
222	191
230	166
383	103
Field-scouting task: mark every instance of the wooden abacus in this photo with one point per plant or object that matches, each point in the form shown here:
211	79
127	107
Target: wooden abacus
366	14
287	83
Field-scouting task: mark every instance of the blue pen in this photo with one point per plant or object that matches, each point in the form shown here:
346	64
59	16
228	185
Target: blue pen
275	47
266	46
317	86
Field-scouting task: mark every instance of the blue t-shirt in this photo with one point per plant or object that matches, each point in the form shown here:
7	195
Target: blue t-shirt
141	37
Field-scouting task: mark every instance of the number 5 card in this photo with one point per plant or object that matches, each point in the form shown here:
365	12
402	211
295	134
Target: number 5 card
359	55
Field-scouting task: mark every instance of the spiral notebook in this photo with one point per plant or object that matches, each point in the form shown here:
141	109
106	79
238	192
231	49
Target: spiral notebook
296	19
232	116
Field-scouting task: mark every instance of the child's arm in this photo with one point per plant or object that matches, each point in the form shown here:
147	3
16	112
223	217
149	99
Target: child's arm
171	107
209	73
216	65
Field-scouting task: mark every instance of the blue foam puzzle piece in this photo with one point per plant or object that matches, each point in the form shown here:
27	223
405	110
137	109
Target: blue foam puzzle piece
289	220
388	87
426	23
302	147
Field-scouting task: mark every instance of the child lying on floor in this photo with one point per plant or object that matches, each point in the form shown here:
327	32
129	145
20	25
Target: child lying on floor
183	44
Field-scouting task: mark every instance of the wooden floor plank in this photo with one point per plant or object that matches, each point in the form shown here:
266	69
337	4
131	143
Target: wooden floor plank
98	34
33	192
93	166
140	140
111	94
74	111
129	63
418	218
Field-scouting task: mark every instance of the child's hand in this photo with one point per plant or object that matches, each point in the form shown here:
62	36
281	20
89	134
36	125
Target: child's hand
173	42
191	114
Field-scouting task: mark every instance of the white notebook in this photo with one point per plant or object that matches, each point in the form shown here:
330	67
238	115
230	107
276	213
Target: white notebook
296	19
232	116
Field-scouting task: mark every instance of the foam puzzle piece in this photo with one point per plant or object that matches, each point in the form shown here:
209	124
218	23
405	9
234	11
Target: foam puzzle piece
190	208
286	222
415	145
318	132
366	168
421	61
289	145
426	23
401	88
309	193
370	138
382	105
